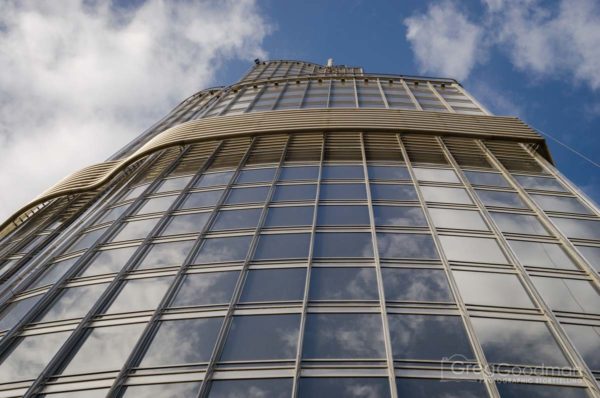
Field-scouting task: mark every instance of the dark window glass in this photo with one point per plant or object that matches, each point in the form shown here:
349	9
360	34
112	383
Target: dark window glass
343	336
462	248
216	250
74	302
155	205
518	223
201	199
545	255
570	295
86	240
518	342
236	219
285	284
31	354
108	261
54	272
587	341
299	173
174	184
399	216
592	255
184	341
343	283
541	183
486	288
414	284
105	349
186	224
393	192
510	390
252	388
457	219
273	247
428	337
135	230
446	195
140	295
289	216
343	192
563	204
388	173
342	215
207	288
344	387
347	172
247	195
437	175
171	390
432	388
578	229
500	199
411	246
167	254
16	311
302	192
213	179
483	178
349	244
255	175
260	337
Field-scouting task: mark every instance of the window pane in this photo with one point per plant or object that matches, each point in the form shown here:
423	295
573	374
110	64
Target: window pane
519	223
286	284
260	337
166	254
500	199
411	246
413	284
518	342
587	341
343	387
299	173
109	261
213	179
446	195
457	219
343	283
236	219
343	215
343	336
273	247
255	175
140	295
302	192
388	173
155	205
16	311
342	172
428	337
135	230
186	224
289	216
592	255
96	393
112	214
54	272
510	390
171	390
135	192
431	388
437	175
393	192
579	229
483	178
174	184
343	192
184	341
399	216
247	195
216	250
105	349
201	199
546	255
462	248
207	288
353	244
569	295
252	388
74	302
86	240
486	288
542	183
560	203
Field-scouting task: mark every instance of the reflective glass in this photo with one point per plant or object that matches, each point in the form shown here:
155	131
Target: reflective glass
518	223
86	240
563	204
457	219
346	172
289	216
251	388
186	224
570	295
135	230
16	311
393	192
155	205
255	175
171	390
486	288
587	341
104	349
428	337
260	337
109	261
437	175
135	192
184	341
53	272
343	283
112	214
446	195
411	246
284	284
96	393
388	173
399	216
216	250
546	255
343	336
578	229
279	246
167	254
30	356
483	178
415	284
514	341
343	192
201	199
247	195
447	388
592	255
541	183
342	215
207	288
343	387
174	184
301	192
140	295
236	219
462	248
213	179
299	173
340	244
500	199
73	302
510	390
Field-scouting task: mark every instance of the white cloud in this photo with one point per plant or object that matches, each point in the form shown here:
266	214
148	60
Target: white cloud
80	79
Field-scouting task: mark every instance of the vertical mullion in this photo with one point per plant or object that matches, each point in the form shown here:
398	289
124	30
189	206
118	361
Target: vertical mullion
466	94
329	93
283	89
256	97
303	99
233	100
439	97
385	101
411	95
355	93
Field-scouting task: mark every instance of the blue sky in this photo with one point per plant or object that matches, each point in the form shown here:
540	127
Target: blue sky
75	71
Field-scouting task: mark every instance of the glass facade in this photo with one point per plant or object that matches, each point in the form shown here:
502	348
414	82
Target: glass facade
314	264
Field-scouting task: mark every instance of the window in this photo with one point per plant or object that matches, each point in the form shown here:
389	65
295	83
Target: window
86	240
236	219
436	175
216	250
399	216
343	387
500	199
483	178
340	244
415	284
174	184
432	388
289	216
342	215
16	311
284	284
545	255
457	219
299	173
186	224
215	179
207	288
155	205
140	295
446	195
428	337
135	230
510	390
591	255
185	341
255	175
578	229
541	183
410	246
112	214
343	283
167	254
388	173
518	223
486	288
281	246
262	337
347	172
301	192
513	341
462	248
253	388
201	199
393	192
135	192
563	204
54	272
570	295
343	192
171	390
73	302
247	195
108	261
587	341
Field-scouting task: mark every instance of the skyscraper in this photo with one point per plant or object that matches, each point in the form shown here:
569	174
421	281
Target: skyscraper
309	231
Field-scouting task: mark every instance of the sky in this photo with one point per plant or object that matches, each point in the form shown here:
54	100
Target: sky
80	79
